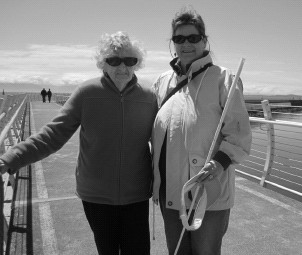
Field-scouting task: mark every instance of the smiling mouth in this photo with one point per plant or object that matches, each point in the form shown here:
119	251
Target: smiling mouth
187	51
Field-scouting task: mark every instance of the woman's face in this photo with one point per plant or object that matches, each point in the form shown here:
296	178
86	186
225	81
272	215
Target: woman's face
188	52
120	74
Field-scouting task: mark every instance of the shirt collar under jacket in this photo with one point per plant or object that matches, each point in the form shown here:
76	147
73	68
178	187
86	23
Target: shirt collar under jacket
193	67
105	79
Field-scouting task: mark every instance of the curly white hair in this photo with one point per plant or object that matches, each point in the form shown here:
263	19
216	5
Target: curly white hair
110	45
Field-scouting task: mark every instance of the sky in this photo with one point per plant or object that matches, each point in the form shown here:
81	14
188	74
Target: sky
54	41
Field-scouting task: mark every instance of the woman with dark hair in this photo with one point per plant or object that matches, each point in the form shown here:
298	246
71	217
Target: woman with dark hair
183	132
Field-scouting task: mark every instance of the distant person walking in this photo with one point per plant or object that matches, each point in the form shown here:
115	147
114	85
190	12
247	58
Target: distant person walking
49	94
43	94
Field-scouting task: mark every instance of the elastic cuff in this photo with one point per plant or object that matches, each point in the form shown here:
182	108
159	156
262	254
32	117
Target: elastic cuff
223	159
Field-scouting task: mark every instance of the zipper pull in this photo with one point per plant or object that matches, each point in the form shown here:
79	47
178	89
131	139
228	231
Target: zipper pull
122	98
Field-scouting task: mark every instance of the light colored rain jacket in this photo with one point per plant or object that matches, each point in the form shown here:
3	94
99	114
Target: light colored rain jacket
190	118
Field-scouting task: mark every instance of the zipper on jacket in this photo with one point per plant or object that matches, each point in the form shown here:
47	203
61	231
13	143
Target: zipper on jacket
121	148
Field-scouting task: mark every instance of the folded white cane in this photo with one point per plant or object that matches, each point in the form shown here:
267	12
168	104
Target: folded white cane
224	112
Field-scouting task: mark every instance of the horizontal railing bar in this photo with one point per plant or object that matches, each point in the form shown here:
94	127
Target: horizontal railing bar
8	125
276	122
271	183
285	172
250	175
290	138
284	188
287	144
288	113
261	152
291	152
291	159
259	144
284	180
253	156
251	168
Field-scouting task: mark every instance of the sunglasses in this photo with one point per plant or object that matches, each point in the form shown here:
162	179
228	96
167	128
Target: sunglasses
116	61
179	39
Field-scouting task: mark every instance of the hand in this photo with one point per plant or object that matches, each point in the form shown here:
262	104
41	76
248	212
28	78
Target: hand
155	201
211	170
3	167
156	185
155	198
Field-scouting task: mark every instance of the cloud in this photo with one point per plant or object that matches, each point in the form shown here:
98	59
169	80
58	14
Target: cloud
47	64
65	64
73	64
76	78
156	62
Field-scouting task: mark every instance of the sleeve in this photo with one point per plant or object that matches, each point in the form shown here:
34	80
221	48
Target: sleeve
49	139
236	131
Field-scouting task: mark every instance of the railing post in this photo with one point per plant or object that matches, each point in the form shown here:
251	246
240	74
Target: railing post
2	219
270	152
12	108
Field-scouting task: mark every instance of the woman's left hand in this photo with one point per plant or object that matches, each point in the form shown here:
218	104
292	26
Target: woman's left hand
211	170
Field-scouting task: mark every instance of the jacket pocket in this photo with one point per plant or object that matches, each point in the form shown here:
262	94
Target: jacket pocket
196	163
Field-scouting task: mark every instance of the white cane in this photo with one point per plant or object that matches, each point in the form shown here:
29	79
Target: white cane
224	112
153	220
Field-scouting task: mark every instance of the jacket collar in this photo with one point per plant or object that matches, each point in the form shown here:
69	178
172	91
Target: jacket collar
191	68
106	80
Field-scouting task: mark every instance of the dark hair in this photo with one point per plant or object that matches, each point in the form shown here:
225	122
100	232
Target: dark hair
188	16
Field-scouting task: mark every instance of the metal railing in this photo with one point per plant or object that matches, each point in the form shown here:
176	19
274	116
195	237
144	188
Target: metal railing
12	120
276	156
61	99
275	161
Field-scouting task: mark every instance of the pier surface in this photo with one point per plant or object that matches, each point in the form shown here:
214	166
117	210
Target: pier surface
48	217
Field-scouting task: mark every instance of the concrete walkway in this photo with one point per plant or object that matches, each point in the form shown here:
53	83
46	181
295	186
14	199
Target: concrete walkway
48	218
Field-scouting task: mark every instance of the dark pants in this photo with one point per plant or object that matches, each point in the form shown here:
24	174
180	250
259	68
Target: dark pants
120	229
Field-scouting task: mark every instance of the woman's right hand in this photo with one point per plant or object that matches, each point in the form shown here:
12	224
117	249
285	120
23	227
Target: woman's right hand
3	167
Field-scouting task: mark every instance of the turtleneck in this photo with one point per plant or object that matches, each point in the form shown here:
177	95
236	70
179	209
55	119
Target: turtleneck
105	79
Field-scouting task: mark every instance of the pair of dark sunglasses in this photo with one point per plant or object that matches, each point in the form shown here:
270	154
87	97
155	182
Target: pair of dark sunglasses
116	61
179	39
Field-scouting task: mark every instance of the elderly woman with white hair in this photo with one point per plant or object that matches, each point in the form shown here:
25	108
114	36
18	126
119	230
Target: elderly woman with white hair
114	171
